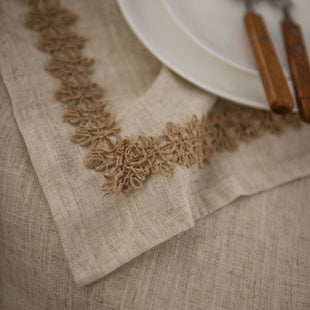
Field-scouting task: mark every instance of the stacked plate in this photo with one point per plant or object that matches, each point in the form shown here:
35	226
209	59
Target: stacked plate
205	42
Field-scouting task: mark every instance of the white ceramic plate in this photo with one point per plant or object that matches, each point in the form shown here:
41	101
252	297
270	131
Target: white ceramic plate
152	23
217	26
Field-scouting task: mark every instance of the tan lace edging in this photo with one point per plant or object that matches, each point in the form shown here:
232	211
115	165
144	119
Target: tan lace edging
125	162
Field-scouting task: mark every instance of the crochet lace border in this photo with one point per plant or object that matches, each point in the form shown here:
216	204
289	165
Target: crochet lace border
126	163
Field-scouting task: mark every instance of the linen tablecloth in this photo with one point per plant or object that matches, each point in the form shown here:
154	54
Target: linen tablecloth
252	253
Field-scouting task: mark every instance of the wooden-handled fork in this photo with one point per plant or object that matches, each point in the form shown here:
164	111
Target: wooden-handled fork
275	84
297	59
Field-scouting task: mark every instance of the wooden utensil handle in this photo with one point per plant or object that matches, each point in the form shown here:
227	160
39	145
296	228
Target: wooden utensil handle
299	66
277	90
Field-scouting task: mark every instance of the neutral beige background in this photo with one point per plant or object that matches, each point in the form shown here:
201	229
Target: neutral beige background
252	254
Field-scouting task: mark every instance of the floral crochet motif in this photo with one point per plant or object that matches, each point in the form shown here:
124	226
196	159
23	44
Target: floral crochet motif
126	163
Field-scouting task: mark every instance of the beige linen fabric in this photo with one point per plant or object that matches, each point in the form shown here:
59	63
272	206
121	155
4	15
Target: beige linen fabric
100	232
253	254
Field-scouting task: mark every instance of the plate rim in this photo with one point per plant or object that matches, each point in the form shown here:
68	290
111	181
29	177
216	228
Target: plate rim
205	47
218	55
238	99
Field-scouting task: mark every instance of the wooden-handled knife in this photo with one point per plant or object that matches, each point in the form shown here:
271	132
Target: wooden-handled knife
275	84
297	59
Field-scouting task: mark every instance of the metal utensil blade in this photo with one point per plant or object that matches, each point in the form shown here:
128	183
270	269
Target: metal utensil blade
285	6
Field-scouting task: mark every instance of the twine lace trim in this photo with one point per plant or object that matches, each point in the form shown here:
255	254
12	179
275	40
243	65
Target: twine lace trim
126	163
